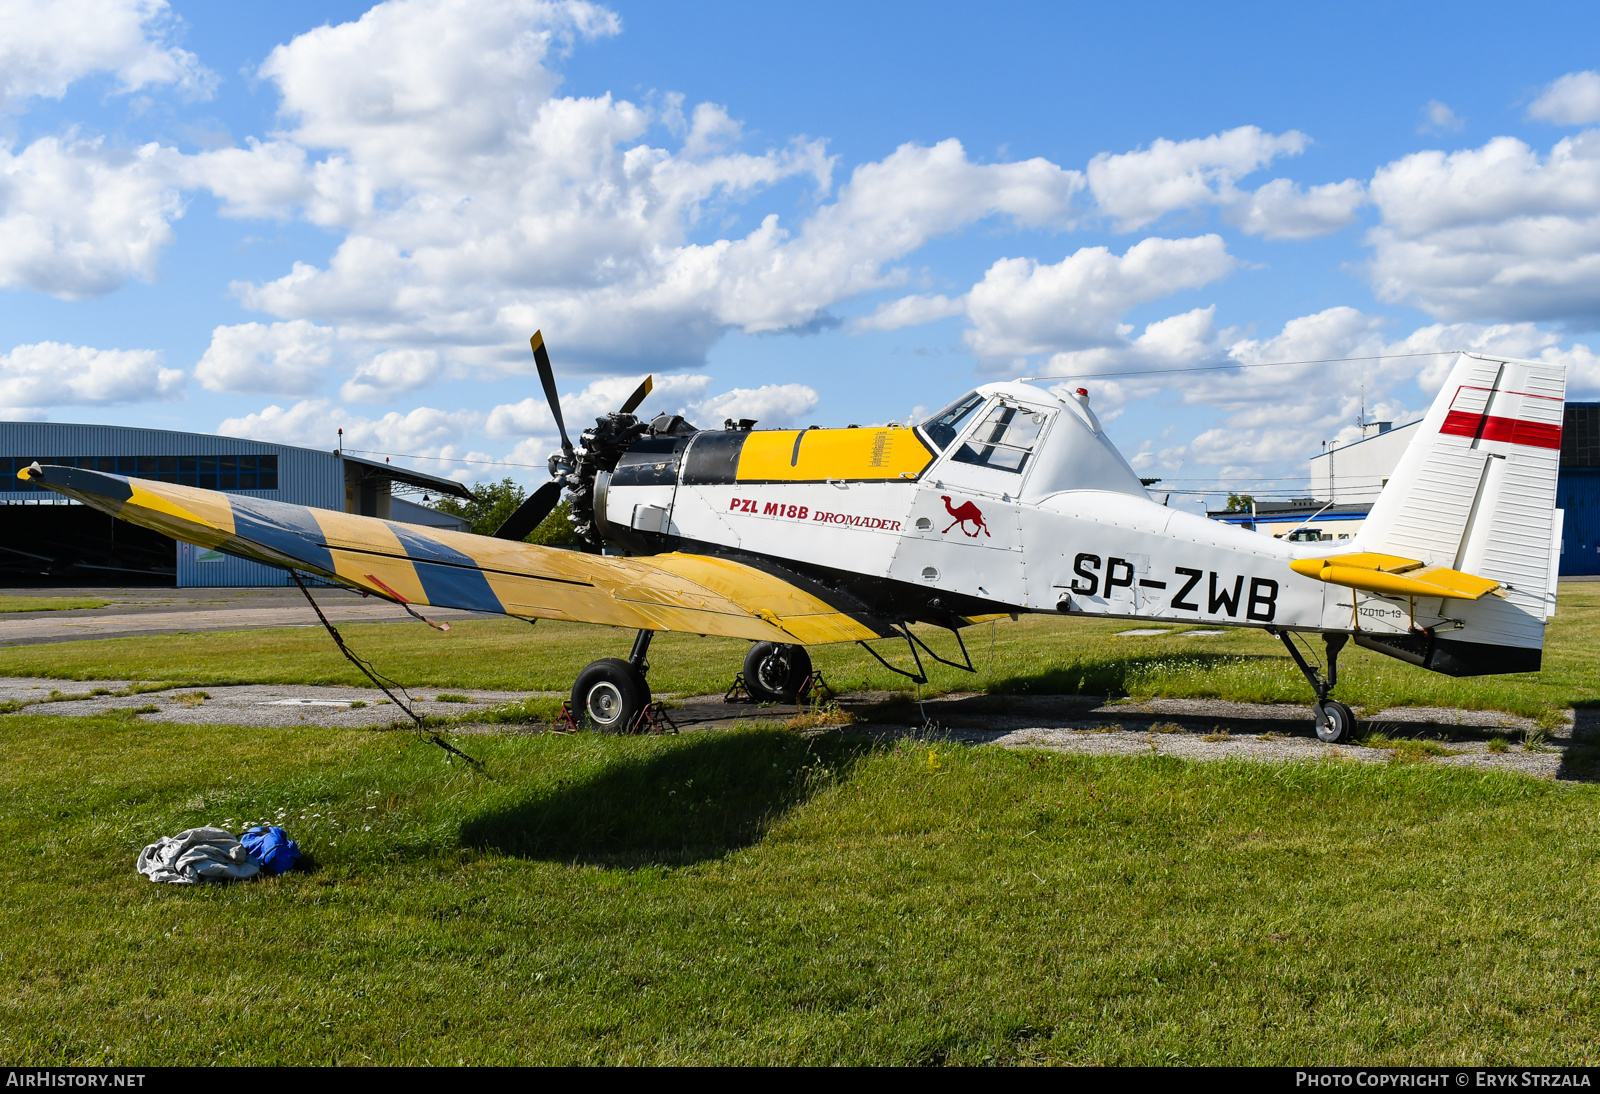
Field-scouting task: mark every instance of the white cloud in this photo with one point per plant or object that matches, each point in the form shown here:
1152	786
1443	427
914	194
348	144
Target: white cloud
909	311
390	373
77	220
416	88
770	404
55	374
47	45
532	415
315	423
283	358
1439	118
710	131
1141	186
1281	210
1022	308
1491	232
1574	99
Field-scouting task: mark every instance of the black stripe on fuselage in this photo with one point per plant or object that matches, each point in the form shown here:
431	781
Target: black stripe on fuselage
650	461
713	458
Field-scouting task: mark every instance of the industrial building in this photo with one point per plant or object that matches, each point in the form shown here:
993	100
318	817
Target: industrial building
47	540
1345	480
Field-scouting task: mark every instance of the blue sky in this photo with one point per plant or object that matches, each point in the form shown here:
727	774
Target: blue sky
276	221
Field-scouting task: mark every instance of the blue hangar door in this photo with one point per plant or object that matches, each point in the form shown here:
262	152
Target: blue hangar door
1578	493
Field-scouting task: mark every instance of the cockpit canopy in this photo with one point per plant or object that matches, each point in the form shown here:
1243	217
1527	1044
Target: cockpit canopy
1008	427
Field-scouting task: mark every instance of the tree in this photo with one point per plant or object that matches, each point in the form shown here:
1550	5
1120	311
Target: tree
1237	502
492	503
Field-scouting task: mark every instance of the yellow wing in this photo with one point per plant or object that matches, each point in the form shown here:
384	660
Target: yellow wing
429	566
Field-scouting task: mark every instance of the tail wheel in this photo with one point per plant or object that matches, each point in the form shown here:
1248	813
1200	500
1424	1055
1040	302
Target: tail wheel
609	695
1335	721
774	673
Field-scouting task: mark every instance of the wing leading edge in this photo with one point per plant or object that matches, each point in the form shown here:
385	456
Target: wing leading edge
698	594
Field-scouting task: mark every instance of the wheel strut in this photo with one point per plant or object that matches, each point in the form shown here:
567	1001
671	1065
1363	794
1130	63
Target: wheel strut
641	647
1334	720
1319	684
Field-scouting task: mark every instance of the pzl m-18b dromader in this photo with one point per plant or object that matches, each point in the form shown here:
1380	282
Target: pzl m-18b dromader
1009	500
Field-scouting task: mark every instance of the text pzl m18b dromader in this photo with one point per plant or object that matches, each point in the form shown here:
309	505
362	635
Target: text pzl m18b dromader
1010	500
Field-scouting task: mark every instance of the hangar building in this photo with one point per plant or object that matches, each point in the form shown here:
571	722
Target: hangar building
1345	481
47	540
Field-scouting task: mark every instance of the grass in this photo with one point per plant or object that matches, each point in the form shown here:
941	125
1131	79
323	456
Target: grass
1038	655
1405	749
49	603
761	897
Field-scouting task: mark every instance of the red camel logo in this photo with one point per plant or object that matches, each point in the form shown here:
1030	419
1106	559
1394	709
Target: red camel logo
966	513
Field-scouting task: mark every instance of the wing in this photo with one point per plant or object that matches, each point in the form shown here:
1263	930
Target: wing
699	594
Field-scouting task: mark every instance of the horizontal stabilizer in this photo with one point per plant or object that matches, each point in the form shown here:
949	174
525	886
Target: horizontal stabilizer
1391	575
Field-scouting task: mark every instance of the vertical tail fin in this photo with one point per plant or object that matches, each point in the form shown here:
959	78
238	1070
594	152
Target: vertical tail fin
1476	490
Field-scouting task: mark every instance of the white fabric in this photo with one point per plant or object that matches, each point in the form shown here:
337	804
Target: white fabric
196	855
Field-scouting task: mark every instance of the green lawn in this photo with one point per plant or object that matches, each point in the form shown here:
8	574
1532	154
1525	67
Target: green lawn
49	603
754	897
1039	654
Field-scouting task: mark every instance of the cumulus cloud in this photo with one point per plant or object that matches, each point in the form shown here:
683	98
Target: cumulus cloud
1022	308
770	404
1574	99
56	374
1439	118
909	311
393	372
280	358
315	423
532	415
1280	209
50	44
1497	232
1141	186
77	220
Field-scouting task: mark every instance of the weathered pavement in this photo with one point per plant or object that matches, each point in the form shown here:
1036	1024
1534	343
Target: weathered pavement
135	612
1194	729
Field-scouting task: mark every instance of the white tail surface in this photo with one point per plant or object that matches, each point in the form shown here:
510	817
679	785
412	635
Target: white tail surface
1476	491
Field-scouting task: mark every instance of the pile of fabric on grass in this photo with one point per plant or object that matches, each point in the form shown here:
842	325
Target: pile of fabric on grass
212	854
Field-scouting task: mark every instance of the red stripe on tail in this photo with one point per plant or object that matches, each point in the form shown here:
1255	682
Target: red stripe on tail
1459	423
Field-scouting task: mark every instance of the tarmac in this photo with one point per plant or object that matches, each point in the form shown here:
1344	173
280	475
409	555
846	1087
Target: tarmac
134	612
1193	729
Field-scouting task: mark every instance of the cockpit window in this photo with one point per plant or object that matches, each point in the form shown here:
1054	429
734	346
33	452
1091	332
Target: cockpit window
947	425
1004	440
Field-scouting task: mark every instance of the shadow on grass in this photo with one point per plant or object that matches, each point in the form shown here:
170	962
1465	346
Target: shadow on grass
698	799
1112	675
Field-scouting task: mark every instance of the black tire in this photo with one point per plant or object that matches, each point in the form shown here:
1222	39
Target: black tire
774	673
609	696
1335	722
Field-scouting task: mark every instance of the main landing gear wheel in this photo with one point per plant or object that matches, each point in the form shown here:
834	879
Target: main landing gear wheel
610	695
775	673
1335	721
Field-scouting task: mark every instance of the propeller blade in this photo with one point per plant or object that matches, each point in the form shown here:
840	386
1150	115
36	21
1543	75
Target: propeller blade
531	513
638	395
547	377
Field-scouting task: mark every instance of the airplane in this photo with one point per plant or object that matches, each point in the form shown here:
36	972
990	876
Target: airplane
1011	499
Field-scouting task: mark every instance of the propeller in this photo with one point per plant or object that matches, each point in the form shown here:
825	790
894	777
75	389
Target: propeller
565	468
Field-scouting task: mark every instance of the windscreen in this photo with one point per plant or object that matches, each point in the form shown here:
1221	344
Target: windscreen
947	425
1004	440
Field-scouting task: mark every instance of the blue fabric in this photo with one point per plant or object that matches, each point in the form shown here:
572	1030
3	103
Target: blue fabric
271	849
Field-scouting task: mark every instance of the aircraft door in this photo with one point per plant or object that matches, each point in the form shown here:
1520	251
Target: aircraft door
963	533
995	454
